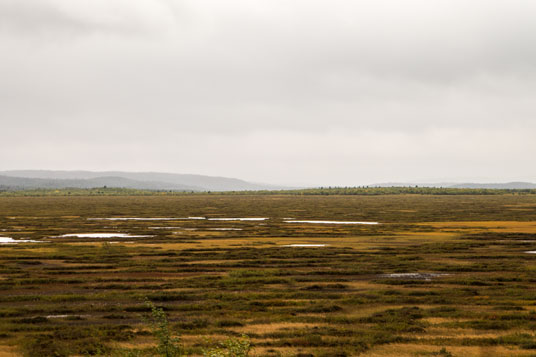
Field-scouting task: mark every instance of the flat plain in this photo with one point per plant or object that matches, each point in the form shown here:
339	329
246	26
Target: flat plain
437	276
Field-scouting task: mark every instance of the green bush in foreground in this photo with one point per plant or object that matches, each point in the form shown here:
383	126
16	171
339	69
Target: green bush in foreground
170	346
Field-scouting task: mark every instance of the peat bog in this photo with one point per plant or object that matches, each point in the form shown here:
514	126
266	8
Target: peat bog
437	276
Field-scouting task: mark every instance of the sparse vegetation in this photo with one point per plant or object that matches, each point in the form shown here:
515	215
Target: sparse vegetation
470	288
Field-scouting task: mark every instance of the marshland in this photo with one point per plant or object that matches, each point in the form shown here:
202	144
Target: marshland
437	275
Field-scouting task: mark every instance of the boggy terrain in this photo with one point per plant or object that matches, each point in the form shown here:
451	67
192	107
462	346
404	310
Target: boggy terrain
437	276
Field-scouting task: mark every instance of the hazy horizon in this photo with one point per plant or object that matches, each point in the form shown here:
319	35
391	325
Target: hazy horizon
115	173
309	93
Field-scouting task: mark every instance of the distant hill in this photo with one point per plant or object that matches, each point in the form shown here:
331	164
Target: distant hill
30	179
24	183
503	186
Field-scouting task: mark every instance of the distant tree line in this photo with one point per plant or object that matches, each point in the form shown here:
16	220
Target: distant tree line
372	191
326	191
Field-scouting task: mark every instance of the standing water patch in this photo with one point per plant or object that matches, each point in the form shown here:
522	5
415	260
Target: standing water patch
331	222
101	235
9	240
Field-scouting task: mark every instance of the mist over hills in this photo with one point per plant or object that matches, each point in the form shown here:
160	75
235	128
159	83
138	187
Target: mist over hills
108	181
33	179
48	179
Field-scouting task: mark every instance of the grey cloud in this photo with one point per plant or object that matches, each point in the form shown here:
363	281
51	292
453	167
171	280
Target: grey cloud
31	17
53	20
201	80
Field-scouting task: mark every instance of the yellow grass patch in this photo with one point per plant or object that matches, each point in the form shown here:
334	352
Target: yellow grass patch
139	342
449	261
273	327
360	311
442	320
213	262
444	332
412	350
41	250
9	351
425	236
493	226
362	284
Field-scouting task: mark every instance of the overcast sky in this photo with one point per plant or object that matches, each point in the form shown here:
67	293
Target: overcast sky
287	92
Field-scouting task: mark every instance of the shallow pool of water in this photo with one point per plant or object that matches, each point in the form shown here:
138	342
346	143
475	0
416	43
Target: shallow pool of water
9	240
132	219
425	276
305	245
224	229
101	235
239	219
331	222
143	218
64	316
